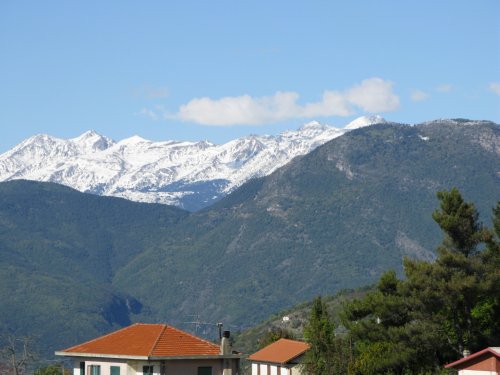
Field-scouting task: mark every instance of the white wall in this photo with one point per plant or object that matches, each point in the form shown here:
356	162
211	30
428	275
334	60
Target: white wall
175	367
475	372
105	366
273	370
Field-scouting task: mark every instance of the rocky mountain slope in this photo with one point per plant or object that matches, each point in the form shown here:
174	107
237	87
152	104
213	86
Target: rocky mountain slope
336	218
191	175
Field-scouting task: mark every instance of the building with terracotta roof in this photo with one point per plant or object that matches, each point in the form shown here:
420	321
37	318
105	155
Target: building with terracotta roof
484	362
152	349
282	357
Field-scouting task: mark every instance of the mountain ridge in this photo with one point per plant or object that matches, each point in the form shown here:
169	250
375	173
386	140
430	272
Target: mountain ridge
333	219
191	175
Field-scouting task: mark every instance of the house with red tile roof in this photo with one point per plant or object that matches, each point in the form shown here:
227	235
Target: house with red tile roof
282	357
484	362
152	349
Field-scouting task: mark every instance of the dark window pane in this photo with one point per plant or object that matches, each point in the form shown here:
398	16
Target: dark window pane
204	370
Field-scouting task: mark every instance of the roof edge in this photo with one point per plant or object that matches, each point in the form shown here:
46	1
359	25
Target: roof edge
99	355
296	355
148	358
281	363
221	356
472	356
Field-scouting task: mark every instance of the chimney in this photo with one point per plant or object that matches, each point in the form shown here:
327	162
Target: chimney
466	353
225	345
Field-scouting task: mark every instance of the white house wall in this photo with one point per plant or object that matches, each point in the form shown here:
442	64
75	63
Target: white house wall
181	367
172	367
476	372
105	366
273	369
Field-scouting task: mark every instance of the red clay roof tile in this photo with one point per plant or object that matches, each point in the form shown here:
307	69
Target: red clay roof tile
147	340
281	351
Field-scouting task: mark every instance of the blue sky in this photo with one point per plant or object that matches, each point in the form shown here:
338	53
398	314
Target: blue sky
217	70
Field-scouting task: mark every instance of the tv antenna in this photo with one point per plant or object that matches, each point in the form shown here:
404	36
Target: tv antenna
197	324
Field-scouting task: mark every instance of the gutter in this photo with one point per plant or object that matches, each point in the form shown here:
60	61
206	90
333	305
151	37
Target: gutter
148	358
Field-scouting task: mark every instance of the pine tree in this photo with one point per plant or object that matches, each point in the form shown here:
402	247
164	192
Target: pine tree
459	221
319	333
416	325
456	281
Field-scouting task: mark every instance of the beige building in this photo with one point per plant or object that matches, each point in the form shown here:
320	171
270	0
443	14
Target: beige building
152	349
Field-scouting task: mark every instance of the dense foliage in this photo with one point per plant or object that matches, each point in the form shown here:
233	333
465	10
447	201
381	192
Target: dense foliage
54	369
441	309
319	333
59	251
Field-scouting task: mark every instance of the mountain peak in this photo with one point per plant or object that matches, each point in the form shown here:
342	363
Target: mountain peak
91	140
89	133
134	139
184	173
363	121
311	124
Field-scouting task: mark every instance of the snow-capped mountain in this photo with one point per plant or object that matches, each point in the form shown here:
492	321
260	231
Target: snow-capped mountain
187	174
363	121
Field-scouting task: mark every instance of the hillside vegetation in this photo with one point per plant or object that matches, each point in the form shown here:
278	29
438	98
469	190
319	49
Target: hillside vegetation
74	265
59	252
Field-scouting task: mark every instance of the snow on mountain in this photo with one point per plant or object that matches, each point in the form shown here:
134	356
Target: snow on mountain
363	121
188	174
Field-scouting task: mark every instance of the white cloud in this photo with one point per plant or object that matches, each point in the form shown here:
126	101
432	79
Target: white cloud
239	110
445	87
372	95
418	95
333	103
495	87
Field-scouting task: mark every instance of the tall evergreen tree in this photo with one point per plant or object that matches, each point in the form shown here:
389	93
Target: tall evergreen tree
451	289
459	221
488	313
416	325
319	333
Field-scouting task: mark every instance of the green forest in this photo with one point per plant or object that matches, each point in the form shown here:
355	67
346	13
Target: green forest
438	312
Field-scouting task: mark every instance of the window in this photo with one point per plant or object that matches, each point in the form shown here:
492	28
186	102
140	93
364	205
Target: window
205	370
146	370
115	370
94	370
82	368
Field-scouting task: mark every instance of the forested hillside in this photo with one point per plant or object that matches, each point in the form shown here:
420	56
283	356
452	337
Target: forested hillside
59	252
336	218
75	265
